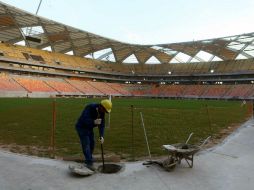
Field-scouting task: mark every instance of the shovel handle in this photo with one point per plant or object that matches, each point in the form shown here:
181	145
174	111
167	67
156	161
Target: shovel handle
102	157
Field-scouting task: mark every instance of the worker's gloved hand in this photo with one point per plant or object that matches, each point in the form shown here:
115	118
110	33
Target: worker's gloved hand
97	121
101	139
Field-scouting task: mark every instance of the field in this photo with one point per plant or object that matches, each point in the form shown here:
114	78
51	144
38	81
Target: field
26	124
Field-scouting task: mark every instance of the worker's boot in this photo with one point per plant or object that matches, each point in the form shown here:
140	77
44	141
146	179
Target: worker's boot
90	167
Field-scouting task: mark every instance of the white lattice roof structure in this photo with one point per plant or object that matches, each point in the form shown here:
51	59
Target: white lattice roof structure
20	26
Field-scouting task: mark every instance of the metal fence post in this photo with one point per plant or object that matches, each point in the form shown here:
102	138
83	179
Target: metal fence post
132	133
52	140
252	109
207	111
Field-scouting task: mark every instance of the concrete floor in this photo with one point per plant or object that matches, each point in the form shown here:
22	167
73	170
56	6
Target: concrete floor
227	166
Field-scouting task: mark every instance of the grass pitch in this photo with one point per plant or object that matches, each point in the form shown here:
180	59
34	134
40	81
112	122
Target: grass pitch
26	124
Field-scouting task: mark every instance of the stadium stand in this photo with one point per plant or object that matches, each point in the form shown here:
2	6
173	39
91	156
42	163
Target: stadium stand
12	51
32	84
240	91
31	71
84	87
171	90
194	91
120	88
35	56
30	59
62	87
139	89
38	57
9	88
104	88
8	84
216	91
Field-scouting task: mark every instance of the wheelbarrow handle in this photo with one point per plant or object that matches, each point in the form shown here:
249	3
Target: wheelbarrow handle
189	138
205	141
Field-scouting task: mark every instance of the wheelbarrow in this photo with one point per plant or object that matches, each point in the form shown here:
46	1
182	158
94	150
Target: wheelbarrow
178	152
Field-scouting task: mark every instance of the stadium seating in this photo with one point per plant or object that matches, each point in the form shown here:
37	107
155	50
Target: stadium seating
240	91
85	87
139	89
22	53
11	51
105	88
120	88
8	84
77	87
34	85
216	91
194	90
171	90
62	87
26	59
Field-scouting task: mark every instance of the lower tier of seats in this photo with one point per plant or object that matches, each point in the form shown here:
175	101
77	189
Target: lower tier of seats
30	86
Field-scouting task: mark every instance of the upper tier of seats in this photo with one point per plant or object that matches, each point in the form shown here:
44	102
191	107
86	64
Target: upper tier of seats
32	55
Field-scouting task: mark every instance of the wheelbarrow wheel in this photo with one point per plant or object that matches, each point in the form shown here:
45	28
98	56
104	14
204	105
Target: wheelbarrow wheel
169	164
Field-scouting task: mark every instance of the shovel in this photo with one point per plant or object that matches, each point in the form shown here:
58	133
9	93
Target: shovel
102	157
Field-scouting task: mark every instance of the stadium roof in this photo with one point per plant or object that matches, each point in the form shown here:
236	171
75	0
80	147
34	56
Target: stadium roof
18	26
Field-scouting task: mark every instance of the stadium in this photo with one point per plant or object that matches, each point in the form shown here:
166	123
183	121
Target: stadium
218	68
50	70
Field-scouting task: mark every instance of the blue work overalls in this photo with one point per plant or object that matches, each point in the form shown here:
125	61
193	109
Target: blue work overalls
84	127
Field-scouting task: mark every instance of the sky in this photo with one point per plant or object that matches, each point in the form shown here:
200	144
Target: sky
149	21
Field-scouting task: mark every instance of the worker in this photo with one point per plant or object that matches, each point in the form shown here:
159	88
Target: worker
92	116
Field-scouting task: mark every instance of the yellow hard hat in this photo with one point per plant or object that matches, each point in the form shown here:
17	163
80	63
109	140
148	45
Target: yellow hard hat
107	104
